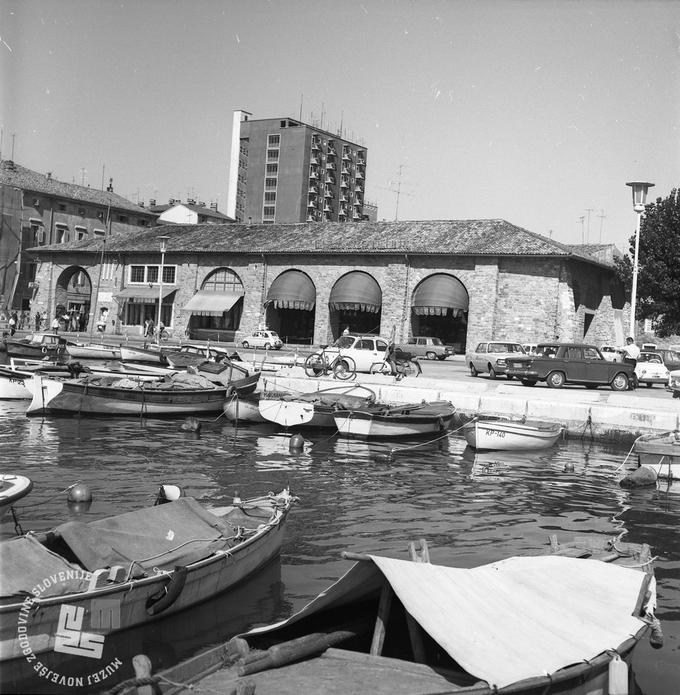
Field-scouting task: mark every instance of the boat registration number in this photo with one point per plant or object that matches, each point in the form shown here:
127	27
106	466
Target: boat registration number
494	433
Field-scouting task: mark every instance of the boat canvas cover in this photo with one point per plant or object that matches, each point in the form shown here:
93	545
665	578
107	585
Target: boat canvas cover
27	565
507	621
176	533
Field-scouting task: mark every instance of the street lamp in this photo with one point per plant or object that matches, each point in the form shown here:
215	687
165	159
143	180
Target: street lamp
162	240
640	189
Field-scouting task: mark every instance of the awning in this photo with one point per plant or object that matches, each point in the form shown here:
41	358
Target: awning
143	295
207	303
438	294
292	290
356	291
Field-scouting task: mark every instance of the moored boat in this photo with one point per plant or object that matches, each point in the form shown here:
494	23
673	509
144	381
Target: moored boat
145	353
404	420
93	351
16	382
179	394
389	626
314	409
37	346
660	453
138	566
511	435
243	408
12	488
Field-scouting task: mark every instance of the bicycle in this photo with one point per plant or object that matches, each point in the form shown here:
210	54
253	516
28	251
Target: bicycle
405	367
320	364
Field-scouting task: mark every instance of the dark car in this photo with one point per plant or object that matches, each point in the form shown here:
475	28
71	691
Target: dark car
570	363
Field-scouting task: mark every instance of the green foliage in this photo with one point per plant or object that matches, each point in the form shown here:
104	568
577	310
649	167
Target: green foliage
658	265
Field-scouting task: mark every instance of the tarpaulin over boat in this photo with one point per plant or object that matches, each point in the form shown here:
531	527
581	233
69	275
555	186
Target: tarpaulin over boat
507	621
28	567
292	290
163	536
356	291
438	294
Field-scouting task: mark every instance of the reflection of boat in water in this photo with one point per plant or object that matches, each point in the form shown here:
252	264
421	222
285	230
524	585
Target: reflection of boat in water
660	453
393	626
511	435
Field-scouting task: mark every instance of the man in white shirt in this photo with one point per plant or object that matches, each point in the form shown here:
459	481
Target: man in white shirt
630	352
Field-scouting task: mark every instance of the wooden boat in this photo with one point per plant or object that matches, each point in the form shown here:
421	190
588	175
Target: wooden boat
314	409
511	435
146	353
243	408
180	394
187	355
234	376
93	351
12	488
37	346
660	453
524	625
16	382
404	420
138	566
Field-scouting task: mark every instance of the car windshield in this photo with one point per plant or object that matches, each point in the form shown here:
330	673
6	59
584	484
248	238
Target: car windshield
505	347
344	341
646	357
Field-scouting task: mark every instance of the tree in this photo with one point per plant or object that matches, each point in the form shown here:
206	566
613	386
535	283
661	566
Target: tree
658	289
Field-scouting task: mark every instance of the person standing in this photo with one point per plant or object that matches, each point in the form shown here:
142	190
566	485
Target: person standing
38	320
630	352
12	323
55	324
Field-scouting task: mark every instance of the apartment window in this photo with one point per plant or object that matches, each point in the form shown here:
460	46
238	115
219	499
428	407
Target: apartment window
270	183
61	233
143	223
122	218
270	197
149	274
81	232
273	140
61	207
272	155
100	214
223	280
99	233
81	212
268	212
37	233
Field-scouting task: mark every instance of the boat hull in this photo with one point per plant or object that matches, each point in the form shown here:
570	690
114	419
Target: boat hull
12	488
407	421
93	352
51	396
505	435
132	354
661	454
243	409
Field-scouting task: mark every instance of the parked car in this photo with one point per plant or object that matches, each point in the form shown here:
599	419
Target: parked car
670	357
262	339
365	350
430	348
650	369
609	352
530	348
571	363
491	357
673	384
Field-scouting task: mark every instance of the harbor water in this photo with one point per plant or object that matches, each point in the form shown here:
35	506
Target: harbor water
353	495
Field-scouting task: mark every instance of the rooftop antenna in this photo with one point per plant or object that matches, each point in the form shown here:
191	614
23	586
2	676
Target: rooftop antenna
301	98
580	219
588	210
82	176
398	191
103	171
602	217
13	136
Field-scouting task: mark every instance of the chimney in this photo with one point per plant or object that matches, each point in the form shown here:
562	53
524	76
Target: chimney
49	174
141	203
191	201
109	188
201	203
152	202
213	207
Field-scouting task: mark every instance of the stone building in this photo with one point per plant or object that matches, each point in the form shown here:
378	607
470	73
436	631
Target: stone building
461	280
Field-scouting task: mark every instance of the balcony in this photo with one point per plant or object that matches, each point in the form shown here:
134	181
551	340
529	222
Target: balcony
331	151
344	183
345	170
331	166
327	193
313	189
358	175
315	145
313	175
331	180
327	208
311	204
311	218
313	159
358	188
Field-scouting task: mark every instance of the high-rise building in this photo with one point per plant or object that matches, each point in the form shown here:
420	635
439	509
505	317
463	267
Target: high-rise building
285	171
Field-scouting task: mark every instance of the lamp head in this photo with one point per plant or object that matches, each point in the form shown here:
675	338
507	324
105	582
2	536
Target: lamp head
640	189
163	240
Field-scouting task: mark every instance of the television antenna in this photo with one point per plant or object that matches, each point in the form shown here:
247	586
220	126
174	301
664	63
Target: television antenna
397	191
602	217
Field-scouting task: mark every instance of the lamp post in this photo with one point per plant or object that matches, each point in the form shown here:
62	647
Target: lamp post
639	189
162	240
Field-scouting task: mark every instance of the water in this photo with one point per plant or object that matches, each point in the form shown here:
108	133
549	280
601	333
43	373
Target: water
354	496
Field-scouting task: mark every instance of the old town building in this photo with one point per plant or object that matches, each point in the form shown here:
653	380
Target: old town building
461	280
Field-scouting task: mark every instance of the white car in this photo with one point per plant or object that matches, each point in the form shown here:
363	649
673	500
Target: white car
262	339
490	357
650	369
611	354
365	350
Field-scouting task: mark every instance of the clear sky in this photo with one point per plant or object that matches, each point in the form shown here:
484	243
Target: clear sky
533	112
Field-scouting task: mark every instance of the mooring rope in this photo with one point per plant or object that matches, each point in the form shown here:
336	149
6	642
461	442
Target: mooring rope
431	441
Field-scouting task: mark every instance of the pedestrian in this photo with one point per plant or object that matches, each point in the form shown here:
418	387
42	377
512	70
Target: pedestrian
12	324
82	322
55	324
630	352
146	326
346	331
22	321
38	320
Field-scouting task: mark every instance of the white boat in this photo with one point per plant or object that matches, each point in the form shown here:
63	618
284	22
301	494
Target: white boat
94	351
314	409
660	453
12	488
406	420
147	353
511	435
243	408
16	383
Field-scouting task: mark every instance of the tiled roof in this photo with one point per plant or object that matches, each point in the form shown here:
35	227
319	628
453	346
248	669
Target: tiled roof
431	237
13	174
199	209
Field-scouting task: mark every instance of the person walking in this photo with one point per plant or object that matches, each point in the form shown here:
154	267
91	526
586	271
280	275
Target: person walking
12	323
38	320
630	352
55	325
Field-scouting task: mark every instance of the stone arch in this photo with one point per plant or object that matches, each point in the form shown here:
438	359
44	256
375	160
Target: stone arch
216	309
290	306
439	309
73	298
355	301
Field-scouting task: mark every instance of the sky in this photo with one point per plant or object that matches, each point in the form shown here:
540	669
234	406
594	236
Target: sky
533	112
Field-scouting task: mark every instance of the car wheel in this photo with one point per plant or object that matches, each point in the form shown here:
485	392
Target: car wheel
619	382
430	356
492	372
473	370
528	382
245	344
267	346
556	380
509	377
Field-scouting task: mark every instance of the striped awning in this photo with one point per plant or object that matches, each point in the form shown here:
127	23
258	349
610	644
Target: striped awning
292	290
207	303
439	294
143	295
356	291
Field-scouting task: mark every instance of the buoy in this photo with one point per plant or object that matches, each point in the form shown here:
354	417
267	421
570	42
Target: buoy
168	493
568	467
618	676
297	442
191	424
79	493
641	477
237	499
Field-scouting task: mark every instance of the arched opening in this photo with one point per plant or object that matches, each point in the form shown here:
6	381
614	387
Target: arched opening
290	307
73	297
355	302
439	309
217	307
